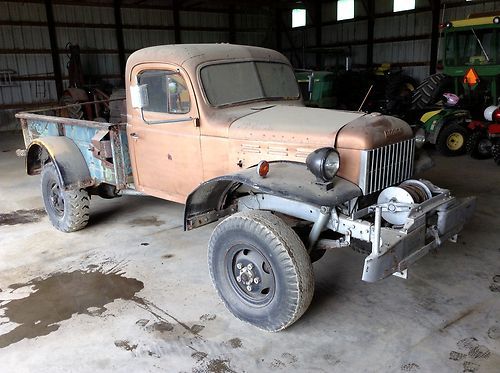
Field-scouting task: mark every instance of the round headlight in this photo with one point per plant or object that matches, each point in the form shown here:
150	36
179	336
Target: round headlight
323	163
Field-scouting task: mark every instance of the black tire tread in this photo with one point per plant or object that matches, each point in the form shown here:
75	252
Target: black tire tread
447	129
77	215
472	145
428	92
291	253
495	152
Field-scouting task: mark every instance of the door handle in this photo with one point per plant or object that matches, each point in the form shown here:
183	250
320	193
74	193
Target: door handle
134	136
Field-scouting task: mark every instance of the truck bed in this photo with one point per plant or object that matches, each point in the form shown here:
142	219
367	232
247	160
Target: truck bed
103	145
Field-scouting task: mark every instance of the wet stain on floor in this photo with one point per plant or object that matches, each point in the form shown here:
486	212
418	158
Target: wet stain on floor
59	297
146	221
21	216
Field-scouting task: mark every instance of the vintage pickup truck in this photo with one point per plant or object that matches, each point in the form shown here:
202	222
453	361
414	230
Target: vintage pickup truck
223	129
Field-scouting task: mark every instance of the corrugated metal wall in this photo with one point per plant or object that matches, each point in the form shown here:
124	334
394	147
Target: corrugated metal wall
25	43
33	68
402	38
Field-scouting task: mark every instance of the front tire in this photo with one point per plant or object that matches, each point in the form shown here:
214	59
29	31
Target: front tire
452	139
68	210
261	270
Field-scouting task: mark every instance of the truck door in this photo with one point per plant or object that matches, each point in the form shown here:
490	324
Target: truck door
164	137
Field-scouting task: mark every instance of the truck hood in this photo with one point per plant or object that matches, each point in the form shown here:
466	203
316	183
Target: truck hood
319	127
292	124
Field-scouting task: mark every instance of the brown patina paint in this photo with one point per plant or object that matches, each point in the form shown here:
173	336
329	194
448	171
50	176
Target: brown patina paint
169	160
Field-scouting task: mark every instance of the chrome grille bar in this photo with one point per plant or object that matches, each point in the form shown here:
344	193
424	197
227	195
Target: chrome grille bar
386	166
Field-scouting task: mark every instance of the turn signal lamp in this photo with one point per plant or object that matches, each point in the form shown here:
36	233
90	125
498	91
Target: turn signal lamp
263	168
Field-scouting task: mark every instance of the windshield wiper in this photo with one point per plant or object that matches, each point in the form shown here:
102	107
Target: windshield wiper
481	45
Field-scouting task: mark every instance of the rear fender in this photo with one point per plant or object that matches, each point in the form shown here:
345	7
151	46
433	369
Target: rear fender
289	180
69	162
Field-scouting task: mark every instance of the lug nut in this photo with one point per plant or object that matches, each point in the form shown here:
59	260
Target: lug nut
250	266
238	279
256	280
249	288
239	266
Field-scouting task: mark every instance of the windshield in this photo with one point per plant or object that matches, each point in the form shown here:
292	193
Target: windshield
236	82
466	47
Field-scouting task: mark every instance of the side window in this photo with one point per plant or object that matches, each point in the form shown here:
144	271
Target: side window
167	92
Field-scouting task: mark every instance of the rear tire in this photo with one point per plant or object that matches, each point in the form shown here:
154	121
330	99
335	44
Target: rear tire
278	260
68	210
478	145
451	140
398	93
430	91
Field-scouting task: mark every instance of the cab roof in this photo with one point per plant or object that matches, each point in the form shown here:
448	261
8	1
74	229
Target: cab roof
189	56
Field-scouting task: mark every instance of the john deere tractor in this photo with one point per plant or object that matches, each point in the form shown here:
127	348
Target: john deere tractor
471	70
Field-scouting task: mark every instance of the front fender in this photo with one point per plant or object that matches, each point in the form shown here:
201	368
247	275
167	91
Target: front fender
69	162
290	180
459	116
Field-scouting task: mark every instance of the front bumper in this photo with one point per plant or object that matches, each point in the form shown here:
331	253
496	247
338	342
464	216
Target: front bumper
428	225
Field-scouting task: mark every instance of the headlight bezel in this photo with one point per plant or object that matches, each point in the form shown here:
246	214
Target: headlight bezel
324	163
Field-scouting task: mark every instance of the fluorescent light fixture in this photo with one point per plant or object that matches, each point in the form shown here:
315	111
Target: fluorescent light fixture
400	5
298	17
345	9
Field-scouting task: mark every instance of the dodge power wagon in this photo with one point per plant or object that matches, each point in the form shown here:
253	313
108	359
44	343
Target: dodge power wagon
222	128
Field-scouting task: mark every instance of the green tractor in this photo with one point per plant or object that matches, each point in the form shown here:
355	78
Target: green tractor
471	71
387	90
317	88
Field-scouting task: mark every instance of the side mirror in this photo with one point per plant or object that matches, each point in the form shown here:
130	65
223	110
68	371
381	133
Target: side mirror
139	96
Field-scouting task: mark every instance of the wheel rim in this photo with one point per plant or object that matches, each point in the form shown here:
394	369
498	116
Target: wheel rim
56	199
455	141
250	274
484	146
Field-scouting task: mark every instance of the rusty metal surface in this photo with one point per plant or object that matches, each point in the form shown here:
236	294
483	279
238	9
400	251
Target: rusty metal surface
292	124
111	167
69	162
285	179
237	137
373	131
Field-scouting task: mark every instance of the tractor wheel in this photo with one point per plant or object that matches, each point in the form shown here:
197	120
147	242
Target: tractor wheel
495	152
68	210
398	93
479	145
261	270
452	139
430	91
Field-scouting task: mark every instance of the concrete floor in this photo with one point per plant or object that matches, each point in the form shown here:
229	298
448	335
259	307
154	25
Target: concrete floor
132	293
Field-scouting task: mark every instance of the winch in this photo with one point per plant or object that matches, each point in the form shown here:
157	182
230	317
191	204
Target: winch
397	201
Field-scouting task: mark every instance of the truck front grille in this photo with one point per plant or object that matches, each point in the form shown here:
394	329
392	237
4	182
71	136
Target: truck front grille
386	166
